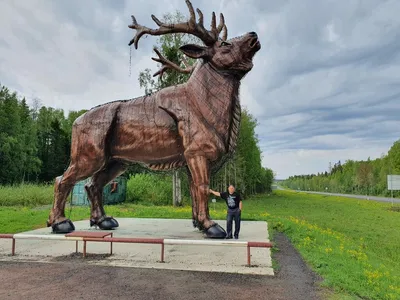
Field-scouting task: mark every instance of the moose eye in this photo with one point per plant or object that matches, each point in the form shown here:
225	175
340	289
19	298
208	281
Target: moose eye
225	44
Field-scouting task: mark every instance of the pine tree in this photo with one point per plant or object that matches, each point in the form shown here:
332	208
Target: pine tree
30	162
11	148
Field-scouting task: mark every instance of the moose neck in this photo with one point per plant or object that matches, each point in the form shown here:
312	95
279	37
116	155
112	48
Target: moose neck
215	98
215	93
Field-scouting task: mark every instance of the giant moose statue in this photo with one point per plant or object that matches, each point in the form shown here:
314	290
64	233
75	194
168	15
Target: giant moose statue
194	125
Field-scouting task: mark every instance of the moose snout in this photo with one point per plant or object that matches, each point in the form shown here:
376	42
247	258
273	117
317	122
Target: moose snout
253	34
254	42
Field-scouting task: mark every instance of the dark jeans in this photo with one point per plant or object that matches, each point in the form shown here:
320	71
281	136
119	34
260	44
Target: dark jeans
233	214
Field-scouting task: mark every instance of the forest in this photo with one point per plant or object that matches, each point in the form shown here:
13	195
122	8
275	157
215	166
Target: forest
34	141
368	177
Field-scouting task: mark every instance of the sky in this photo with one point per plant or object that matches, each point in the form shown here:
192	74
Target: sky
324	86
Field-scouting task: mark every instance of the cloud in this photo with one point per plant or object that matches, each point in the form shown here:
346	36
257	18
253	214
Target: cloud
324	86
313	161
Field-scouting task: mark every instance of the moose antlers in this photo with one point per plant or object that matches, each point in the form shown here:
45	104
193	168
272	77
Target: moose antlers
170	65
209	37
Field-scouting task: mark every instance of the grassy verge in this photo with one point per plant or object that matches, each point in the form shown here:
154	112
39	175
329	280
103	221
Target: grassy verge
17	219
142	188
353	244
26	195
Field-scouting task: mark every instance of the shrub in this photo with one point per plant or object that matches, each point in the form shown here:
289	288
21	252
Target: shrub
150	189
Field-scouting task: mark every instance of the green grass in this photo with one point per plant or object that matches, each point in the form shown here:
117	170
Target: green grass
353	244
141	188
18	219
26	195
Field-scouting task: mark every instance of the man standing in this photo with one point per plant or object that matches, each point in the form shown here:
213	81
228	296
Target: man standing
234	203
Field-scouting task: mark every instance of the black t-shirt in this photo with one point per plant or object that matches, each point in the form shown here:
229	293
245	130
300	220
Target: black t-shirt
232	200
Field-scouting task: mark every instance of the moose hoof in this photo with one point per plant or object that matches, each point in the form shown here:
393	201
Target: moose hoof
65	226
105	223
195	223
198	225
215	232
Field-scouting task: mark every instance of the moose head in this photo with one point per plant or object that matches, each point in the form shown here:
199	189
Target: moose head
232	56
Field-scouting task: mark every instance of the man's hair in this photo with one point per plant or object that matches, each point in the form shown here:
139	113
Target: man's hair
231	185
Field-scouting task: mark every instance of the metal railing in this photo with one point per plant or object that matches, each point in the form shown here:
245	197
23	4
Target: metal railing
107	237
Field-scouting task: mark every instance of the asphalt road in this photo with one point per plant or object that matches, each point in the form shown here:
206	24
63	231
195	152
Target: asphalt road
362	197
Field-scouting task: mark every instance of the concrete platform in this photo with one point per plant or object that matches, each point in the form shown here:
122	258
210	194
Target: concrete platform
177	257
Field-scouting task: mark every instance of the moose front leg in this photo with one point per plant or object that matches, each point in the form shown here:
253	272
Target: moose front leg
192	188
200	173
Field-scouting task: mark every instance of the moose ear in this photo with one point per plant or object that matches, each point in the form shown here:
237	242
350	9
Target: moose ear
194	51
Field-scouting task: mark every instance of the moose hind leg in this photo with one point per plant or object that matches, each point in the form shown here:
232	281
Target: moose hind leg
57	220
62	188
94	191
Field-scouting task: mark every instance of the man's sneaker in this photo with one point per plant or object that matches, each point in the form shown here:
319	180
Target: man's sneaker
236	237
228	237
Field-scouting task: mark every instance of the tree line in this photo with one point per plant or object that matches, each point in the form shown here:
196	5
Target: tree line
34	141
367	177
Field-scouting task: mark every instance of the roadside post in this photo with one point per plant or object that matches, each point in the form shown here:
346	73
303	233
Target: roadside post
393	182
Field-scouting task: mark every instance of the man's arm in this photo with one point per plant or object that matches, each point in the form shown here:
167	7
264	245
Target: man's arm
240	205
218	194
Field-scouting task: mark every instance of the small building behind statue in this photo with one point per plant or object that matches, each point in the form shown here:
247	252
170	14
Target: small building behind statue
113	193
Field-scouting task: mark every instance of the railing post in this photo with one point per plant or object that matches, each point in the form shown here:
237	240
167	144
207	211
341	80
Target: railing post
162	252
111	246
248	256
13	247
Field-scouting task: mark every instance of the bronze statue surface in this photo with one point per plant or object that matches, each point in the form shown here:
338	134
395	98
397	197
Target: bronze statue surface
194	125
